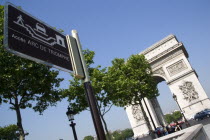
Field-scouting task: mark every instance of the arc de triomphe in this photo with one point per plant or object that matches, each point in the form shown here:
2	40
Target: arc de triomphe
169	62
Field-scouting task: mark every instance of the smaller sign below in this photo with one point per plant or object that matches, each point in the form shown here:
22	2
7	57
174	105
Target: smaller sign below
75	57
32	39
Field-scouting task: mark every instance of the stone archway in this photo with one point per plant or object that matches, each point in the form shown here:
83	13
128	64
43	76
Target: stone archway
169	62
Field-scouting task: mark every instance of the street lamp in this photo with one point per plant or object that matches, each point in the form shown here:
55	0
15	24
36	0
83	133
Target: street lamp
175	98
70	115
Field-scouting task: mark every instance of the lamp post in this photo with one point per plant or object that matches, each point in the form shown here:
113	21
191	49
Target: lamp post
70	115
175	98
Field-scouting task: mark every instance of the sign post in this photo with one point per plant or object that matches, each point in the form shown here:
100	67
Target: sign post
89	93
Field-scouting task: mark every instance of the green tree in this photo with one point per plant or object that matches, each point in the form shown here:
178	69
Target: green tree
26	84
116	135
174	117
122	134
9	132
76	92
169	118
88	138
177	115
131	81
127	133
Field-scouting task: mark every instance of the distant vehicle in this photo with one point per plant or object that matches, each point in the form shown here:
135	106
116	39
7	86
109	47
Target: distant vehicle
201	115
208	110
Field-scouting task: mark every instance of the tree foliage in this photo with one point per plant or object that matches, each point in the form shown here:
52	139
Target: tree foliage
177	115
174	117
117	135
169	118
127	133
26	84
131	81
8	132
122	134
88	138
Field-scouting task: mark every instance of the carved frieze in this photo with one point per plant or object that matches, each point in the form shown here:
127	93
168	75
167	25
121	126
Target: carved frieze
165	59
176	67
137	113
159	71
188	91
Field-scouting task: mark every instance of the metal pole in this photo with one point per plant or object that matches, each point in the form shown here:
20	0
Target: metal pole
94	111
90	94
73	129
187	123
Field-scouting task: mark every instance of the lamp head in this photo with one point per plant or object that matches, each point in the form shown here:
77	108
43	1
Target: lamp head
70	114
174	96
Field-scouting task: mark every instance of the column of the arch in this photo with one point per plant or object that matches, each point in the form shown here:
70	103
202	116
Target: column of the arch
151	114
158	111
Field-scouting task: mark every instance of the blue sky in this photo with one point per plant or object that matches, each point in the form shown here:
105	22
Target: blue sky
116	28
